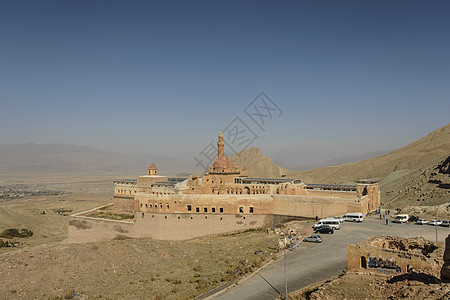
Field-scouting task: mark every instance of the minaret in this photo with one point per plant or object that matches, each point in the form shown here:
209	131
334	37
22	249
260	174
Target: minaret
220	145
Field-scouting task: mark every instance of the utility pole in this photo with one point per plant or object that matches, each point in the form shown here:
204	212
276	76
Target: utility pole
285	273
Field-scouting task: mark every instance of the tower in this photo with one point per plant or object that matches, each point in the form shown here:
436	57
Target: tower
220	144
152	170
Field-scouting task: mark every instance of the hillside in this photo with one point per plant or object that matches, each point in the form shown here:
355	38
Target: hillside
422	153
257	163
412	175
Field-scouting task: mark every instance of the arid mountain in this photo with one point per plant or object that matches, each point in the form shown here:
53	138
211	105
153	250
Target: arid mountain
257	163
430	149
408	175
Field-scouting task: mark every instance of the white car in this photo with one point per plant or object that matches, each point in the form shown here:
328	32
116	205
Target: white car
337	218
435	222
421	222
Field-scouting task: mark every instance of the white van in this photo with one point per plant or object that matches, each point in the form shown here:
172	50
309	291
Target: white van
353	217
401	218
333	223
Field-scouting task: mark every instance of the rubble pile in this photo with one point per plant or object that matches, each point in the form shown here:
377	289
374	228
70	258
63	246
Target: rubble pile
414	244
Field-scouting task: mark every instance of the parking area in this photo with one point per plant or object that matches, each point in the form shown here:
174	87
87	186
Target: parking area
314	262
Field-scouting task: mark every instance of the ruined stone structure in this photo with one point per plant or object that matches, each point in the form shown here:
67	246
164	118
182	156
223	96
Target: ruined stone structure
445	271
225	199
391	254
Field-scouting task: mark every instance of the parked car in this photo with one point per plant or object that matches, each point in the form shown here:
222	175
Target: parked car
322	226
341	220
353	217
326	230
445	223
402	218
333	223
435	222
421	222
313	239
413	219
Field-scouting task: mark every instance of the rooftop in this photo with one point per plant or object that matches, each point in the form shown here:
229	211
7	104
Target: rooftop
266	180
330	186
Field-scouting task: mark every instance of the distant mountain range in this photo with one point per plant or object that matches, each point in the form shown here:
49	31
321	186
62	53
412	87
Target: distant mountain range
72	159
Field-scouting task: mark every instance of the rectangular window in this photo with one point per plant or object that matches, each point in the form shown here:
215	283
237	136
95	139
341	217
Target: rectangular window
251	209
213	209
197	209
205	209
221	209
189	207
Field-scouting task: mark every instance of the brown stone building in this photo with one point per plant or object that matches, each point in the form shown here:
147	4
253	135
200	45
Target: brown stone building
225	199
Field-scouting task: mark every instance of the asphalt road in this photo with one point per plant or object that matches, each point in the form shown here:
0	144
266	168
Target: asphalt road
312	263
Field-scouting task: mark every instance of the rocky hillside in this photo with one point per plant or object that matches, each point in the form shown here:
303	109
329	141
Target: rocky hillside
258	164
418	187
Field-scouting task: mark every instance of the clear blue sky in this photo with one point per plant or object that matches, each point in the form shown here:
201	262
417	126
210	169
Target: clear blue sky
163	77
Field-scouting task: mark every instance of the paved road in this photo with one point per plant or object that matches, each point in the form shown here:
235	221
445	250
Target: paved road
312	263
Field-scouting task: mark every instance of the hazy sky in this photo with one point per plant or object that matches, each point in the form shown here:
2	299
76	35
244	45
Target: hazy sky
164	77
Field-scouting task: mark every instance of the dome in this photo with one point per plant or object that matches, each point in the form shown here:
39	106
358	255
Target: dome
223	162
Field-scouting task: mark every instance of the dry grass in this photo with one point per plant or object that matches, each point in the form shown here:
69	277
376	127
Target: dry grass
139	269
109	215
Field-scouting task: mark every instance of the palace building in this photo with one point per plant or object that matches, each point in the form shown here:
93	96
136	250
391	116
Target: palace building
225	200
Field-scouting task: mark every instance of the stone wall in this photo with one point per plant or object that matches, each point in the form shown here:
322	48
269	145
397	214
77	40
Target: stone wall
371	258
164	226
123	205
309	207
230	204
190	226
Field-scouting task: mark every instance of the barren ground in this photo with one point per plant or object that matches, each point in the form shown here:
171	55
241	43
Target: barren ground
44	266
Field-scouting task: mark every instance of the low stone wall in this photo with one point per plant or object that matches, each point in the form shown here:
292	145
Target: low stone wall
190	226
